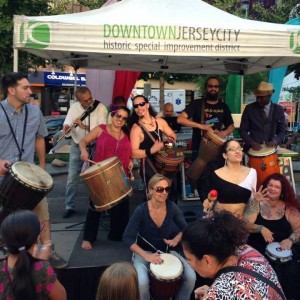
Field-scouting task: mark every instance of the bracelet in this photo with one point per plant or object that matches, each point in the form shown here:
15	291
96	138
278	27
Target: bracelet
259	228
292	239
148	153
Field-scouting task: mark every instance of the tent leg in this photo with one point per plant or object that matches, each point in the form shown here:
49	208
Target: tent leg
16	58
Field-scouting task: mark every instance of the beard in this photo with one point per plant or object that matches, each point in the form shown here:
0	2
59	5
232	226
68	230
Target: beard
212	95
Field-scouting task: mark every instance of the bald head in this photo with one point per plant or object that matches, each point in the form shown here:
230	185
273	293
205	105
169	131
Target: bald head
168	110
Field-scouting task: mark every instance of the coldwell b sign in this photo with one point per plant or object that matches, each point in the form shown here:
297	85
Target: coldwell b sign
63	79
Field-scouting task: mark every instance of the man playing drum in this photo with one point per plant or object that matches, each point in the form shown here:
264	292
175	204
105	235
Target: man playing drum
263	128
22	134
210	115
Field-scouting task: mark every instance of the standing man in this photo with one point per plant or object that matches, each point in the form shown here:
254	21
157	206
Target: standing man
22	132
206	114
263	122
83	116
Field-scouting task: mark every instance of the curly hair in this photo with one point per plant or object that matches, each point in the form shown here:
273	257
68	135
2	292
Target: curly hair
220	236
287	192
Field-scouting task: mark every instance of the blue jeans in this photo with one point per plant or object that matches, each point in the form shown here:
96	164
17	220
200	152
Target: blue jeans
186	287
75	165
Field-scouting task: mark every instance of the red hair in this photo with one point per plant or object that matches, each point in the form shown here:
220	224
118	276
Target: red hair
287	192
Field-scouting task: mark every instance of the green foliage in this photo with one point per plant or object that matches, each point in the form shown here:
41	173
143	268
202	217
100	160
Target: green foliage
92	4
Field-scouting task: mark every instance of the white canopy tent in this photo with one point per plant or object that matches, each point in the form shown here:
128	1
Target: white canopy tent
175	36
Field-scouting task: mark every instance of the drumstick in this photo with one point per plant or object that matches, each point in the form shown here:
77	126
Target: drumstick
91	161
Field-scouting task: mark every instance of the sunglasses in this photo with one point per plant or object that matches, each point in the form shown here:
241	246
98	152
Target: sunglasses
161	189
121	117
139	104
210	86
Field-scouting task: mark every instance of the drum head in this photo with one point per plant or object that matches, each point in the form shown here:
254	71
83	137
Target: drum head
275	251
171	268
32	175
264	151
101	165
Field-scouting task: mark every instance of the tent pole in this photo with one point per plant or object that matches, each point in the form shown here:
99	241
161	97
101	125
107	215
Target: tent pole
242	93
16	58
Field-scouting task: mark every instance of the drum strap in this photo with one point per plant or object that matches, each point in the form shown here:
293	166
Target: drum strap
156	250
253	274
202	114
21	150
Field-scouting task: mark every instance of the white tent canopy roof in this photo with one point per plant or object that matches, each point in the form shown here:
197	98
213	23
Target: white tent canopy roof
175	36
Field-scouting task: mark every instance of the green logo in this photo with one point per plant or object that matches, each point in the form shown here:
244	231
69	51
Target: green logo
35	35
295	42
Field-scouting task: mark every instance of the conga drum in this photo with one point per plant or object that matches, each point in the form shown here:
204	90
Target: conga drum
275	253
264	161
168	161
165	278
208	150
24	186
107	183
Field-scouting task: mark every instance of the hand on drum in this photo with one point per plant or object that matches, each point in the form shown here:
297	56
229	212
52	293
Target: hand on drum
157	146
255	146
201	291
172	243
286	244
267	235
3	166
260	195
154	258
271	144
220	134
206	127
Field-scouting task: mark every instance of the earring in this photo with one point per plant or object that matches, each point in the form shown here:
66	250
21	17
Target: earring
225	163
148	196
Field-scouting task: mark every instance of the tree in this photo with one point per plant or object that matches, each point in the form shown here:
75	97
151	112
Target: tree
8	9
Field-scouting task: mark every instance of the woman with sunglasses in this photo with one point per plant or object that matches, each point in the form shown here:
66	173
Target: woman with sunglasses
23	275
146	135
233	181
111	140
156	226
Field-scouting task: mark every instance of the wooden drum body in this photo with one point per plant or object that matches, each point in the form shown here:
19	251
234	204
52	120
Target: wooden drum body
209	149
265	162
168	161
107	183
24	186
165	278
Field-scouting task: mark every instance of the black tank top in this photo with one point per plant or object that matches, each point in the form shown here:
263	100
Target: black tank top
281	229
147	143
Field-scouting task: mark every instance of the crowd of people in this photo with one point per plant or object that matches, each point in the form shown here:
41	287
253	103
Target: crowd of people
239	245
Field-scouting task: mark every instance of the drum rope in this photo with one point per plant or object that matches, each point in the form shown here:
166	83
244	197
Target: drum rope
156	250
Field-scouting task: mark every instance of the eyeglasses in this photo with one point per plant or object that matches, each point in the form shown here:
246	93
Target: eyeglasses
141	104
240	149
121	117
161	189
210	86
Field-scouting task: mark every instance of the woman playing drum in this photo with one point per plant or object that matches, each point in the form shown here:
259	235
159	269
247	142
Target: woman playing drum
233	182
111	140
276	218
156	226
145	123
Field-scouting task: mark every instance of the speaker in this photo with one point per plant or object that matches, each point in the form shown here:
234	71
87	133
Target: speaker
192	212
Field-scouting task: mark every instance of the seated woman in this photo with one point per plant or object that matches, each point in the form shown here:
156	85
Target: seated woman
119	281
23	276
276	218
156	226
215	248
111	140
233	182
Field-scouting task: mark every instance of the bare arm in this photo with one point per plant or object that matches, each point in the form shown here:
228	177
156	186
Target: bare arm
58	292
249	216
91	136
184	120
136	137
40	150
167	130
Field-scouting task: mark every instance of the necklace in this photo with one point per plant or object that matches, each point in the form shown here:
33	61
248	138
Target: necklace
148	123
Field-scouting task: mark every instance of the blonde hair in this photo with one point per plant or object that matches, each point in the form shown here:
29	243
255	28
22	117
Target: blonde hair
157	178
119	281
